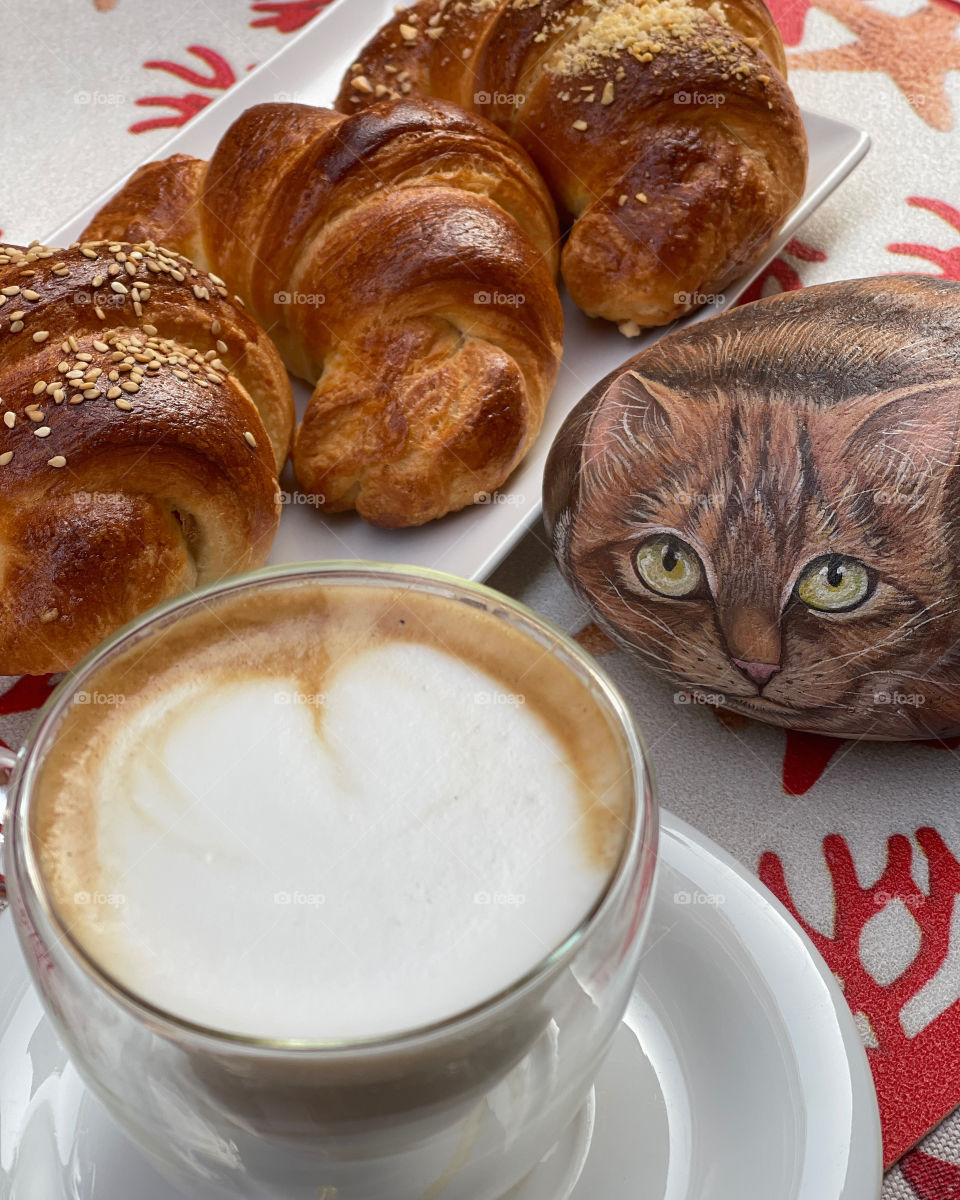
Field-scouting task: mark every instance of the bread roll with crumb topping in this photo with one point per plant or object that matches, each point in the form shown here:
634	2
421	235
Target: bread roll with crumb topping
665	129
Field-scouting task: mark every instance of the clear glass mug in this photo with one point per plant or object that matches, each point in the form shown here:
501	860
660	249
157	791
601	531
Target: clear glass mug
462	1110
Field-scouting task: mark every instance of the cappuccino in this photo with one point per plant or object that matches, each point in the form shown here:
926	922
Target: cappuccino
325	813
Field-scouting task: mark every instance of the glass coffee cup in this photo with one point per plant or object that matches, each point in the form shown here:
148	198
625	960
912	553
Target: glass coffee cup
461	1107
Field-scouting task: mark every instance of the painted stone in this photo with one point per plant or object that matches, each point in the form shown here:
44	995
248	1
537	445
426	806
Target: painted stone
765	508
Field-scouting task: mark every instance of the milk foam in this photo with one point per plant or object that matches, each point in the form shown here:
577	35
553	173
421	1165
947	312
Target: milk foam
367	858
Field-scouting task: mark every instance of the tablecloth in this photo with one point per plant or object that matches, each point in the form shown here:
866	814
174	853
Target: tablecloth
861	841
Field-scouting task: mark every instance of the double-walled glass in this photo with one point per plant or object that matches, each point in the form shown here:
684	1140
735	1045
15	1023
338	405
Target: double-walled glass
461	1110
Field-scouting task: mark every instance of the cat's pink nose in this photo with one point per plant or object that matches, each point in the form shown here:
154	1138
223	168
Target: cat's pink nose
760	673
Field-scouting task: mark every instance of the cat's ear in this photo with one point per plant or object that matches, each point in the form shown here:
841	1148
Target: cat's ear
909	436
633	416
618	421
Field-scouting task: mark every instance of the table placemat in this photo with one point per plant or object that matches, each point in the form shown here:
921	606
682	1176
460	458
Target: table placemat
861	841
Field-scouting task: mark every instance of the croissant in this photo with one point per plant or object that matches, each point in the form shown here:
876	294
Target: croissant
403	260
664	129
143	420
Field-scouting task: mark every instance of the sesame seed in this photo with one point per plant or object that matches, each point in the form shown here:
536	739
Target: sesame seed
124	405
113	393
57	461
93	375
43	431
250	439
97	281
16	326
150	329
129	386
581	125
101	346
119	288
90	393
101	315
215	327
73	344
9	419
113	269
29	294
222	347
18	315
41	335
87	252
5	457
39	386
59	396
130	268
12	290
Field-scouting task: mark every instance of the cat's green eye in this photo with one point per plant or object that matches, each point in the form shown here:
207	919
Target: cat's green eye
835	583
668	566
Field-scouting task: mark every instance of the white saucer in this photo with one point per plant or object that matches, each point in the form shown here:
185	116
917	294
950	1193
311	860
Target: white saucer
738	1073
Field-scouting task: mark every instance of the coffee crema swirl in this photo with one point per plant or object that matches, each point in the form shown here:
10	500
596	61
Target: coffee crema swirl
330	812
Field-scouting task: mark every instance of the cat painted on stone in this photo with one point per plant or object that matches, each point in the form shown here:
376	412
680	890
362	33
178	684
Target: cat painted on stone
765	506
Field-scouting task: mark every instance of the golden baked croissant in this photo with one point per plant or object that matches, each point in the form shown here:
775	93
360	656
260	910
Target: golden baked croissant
403	259
143	420
664	129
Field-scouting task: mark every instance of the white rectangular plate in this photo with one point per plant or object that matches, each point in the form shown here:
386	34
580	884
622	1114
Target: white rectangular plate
470	543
